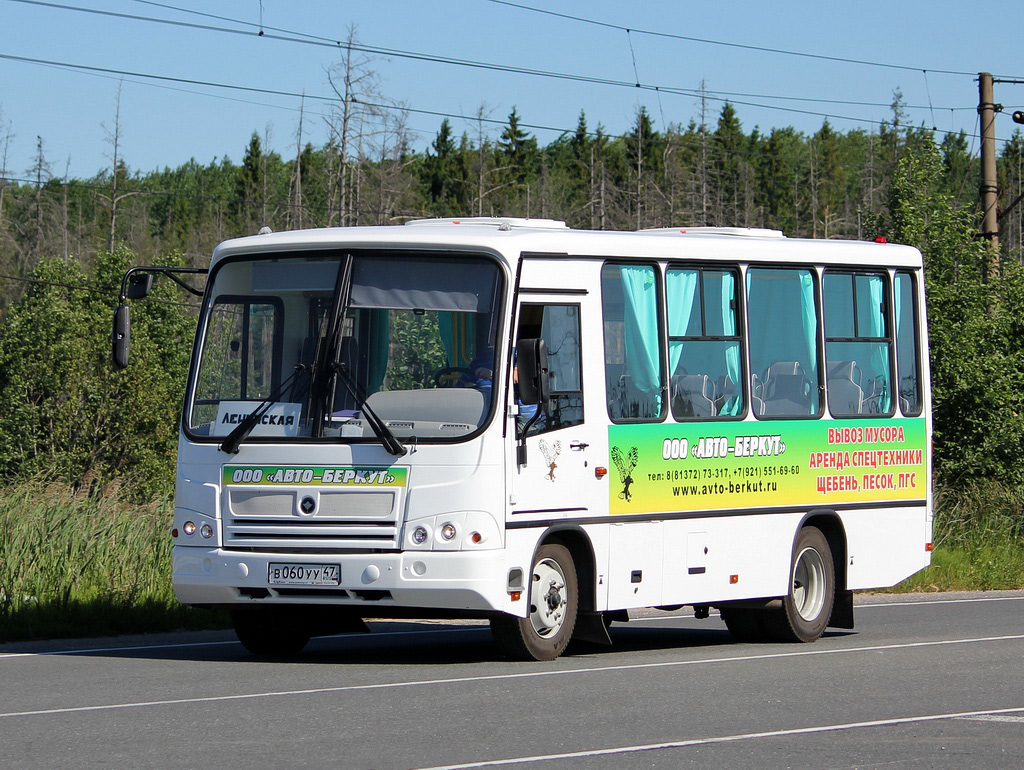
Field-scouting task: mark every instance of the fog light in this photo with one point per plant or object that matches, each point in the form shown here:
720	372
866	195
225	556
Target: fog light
447	531
189	528
419	535
206	531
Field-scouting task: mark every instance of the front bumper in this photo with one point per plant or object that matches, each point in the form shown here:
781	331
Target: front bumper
427	579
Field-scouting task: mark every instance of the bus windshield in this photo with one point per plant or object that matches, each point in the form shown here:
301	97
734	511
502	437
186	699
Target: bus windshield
324	346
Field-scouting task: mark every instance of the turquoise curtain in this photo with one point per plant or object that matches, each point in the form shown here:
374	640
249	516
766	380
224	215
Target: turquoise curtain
880	354
732	353
810	320
379	344
640	293
681	287
456	337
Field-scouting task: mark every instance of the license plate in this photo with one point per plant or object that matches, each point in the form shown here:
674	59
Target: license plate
304	574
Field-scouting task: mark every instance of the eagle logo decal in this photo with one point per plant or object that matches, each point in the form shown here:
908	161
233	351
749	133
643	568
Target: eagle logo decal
550	453
625	465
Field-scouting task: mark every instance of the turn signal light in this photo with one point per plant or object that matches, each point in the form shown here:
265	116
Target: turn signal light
928	546
734	579
515	595
600	472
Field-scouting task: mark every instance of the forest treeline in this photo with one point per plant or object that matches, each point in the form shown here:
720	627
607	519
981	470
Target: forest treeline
64	243
831	184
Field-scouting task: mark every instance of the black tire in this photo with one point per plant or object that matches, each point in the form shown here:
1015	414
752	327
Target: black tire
805	611
554	603
270	632
747	625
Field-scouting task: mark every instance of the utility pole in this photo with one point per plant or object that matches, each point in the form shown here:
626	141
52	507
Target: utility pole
987	109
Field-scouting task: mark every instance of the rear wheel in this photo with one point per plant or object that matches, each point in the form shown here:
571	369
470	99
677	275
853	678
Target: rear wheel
806	610
270	632
554	602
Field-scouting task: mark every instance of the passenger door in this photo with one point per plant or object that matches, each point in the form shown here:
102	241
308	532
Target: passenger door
563	444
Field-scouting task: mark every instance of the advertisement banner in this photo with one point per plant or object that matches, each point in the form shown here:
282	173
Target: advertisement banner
803	463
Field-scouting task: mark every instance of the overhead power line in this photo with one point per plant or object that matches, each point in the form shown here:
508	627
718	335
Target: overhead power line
690	93
307	39
690	39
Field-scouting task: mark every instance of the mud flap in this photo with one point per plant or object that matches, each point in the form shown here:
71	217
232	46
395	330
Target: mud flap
590	627
842	610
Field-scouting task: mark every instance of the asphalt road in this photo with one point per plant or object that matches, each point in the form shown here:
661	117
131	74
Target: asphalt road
923	682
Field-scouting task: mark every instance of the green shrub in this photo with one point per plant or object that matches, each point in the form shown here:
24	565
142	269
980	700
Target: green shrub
979	539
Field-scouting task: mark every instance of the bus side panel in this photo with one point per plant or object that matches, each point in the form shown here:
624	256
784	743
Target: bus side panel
696	561
746	557
885	545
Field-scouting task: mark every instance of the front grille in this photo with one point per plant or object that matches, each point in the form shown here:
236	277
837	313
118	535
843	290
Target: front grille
268	519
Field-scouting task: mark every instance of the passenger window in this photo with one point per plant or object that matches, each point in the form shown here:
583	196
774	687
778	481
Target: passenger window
703	344
634	375
783	321
559	326
907	365
857	344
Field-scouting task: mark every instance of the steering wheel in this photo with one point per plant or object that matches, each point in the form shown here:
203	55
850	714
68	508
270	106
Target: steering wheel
451	376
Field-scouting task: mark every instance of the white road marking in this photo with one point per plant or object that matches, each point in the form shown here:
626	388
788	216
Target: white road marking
995	718
518	675
728	739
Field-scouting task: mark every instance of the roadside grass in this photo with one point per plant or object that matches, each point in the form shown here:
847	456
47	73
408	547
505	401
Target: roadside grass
979	540
85	563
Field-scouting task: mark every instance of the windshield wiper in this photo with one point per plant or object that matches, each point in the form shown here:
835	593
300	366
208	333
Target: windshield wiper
245	427
327	369
380	428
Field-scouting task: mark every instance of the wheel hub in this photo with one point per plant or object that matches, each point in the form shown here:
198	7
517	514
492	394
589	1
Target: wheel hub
548	609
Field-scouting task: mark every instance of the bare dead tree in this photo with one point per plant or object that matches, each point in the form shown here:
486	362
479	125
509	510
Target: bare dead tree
6	135
355	84
117	171
295	208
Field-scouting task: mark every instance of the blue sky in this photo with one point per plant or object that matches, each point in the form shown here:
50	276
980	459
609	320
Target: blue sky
936	49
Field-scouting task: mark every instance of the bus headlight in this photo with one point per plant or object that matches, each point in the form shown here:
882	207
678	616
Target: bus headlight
189	528
419	535
206	531
448	531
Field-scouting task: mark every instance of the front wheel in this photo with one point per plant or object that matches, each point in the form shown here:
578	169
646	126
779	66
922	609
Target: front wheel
554	602
805	612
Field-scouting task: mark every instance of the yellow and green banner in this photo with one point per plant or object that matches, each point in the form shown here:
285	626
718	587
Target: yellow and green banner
718	466
266	475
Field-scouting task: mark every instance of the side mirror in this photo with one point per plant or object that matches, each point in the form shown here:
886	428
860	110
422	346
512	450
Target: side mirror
139	285
534	375
122	335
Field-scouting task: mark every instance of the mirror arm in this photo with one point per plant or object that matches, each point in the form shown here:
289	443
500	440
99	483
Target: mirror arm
170	272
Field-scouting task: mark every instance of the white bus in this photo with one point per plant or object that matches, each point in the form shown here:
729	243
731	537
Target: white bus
512	420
